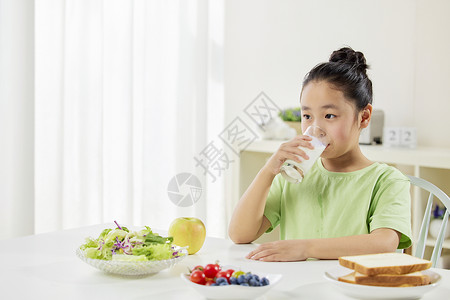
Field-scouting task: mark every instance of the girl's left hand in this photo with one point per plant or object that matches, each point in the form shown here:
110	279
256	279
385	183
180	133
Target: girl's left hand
286	250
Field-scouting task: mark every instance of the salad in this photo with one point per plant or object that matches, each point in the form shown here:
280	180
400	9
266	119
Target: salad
120	244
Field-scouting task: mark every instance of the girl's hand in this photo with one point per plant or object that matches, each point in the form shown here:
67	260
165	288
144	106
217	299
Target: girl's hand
286	250
289	150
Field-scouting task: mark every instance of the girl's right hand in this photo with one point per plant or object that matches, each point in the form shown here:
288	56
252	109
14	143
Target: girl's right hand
289	150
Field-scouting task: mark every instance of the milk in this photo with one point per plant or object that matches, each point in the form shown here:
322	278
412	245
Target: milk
293	171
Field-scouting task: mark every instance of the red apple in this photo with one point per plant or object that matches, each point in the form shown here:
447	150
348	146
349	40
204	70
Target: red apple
188	232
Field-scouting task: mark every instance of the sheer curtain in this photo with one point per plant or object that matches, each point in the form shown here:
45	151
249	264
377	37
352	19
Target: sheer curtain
16	118
123	94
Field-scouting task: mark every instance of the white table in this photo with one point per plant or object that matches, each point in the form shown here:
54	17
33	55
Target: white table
45	267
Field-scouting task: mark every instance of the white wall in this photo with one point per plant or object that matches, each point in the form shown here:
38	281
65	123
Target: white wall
270	45
432	72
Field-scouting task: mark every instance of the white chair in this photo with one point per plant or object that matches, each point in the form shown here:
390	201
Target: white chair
439	194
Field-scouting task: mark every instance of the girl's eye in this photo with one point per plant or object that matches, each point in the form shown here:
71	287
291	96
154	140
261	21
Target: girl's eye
306	117
330	116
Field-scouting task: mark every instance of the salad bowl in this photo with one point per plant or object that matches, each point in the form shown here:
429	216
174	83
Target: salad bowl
124	252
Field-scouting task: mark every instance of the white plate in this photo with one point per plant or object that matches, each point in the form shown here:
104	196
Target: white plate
233	291
131	267
374	292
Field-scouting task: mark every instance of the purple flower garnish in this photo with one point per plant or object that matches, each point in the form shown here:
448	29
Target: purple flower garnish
118	225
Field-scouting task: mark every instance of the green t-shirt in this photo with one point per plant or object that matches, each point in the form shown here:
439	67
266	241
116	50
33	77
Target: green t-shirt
331	204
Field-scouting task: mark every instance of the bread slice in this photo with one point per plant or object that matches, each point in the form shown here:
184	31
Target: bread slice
349	278
384	263
411	279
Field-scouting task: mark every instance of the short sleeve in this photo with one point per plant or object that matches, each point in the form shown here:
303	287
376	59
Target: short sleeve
272	210
391	206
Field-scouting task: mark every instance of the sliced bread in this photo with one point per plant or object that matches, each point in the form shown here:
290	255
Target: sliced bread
384	263
411	279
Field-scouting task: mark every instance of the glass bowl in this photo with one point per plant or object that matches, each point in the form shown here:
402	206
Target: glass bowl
131	268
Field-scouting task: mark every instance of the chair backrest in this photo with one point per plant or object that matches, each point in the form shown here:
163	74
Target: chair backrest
423	234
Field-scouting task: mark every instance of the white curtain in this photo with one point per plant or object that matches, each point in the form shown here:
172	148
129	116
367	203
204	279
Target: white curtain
16	118
124	96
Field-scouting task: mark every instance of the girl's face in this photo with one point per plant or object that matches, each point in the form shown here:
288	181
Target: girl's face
325	106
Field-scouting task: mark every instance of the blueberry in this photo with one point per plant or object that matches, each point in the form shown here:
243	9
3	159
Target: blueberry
233	280
264	281
248	276
221	280
241	279
244	284
224	283
252	282
256	277
214	284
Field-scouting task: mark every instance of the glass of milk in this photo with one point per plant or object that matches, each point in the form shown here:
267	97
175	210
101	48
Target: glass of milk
293	171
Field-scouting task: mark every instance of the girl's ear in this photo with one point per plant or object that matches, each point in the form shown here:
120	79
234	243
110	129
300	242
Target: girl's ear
366	114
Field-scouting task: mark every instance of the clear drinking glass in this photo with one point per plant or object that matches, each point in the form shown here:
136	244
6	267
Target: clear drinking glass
293	171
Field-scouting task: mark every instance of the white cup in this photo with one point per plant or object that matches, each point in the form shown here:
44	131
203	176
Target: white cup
293	171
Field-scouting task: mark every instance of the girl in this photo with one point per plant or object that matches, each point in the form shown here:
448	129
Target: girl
346	204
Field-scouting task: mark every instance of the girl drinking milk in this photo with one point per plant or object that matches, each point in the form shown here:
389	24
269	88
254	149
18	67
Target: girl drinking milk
346	204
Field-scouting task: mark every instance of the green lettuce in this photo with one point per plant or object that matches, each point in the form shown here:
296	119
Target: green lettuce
155	252
125	257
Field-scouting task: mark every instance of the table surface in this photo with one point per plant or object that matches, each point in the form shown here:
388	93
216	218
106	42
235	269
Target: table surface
45	266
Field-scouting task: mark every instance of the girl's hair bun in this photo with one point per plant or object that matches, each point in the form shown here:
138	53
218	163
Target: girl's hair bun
346	70
350	57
